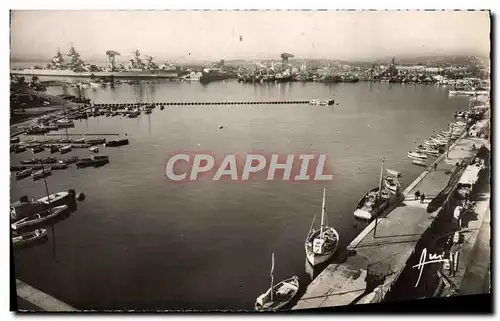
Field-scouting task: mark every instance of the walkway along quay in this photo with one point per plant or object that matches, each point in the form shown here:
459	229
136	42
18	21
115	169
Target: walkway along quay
30	298
382	250
198	103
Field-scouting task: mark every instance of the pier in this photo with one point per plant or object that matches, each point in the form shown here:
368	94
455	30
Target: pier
384	247
201	103
30	298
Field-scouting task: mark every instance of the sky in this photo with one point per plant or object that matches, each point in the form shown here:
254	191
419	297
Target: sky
214	35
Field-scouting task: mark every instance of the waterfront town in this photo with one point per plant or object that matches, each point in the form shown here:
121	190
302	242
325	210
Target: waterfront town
106	215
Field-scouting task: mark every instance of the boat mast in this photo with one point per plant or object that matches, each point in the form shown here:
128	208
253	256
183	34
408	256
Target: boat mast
323	212
272	276
45	181
381	179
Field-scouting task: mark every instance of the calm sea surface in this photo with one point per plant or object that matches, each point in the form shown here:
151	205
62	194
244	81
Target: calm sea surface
139	241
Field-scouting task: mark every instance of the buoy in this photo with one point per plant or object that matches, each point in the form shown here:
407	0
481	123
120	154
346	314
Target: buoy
80	196
220	126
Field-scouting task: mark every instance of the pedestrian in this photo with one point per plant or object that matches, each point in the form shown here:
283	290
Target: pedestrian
422	198
435	166
417	195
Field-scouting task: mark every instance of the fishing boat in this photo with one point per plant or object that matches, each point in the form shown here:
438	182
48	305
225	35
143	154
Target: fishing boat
95	141
54	199
279	295
29	237
20	149
393	172
84	162
24	173
417	155
79	140
65	149
431	152
36	160
37	149
94	149
44	172
69	160
321	244
375	201
392	184
54	149
39	217
65	123
116	143
419	162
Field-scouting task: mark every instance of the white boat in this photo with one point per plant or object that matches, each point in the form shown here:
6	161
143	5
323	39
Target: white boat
419	162
44	172
392	184
279	295
95	84
80	140
321	244
65	122
39	217
94	149
432	152
393	172
375	201
54	199
65	149
29	237
439	141
417	155
430	144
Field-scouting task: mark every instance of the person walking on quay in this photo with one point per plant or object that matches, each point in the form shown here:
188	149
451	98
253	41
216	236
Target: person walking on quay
417	195
435	166
422	198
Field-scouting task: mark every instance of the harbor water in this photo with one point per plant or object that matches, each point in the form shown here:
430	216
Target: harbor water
140	241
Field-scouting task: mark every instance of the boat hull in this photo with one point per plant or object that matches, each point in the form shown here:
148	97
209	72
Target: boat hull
292	284
315	258
115	74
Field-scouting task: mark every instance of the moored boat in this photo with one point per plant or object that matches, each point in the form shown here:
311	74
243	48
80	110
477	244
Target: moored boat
39	217
20	149
24	173
54	149
116	143
65	149
29	237
37	149
415	155
84	162
44	172
55	199
94	149
321	244
393	172
419	162
392	184
69	160
279	295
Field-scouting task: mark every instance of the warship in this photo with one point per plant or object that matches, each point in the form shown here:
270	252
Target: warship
74	66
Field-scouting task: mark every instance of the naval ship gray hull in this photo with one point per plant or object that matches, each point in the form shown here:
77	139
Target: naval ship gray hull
115	74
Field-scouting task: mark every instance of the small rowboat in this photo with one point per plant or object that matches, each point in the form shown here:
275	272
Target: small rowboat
42	173
39	217
417	155
29	237
419	162
65	149
391	184
24	173
94	149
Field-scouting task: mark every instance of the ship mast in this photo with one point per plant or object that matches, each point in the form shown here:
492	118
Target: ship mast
272	275
323	212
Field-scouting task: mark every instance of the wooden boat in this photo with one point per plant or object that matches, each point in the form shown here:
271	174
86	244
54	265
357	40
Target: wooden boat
279	295
29	237
95	141
116	143
162	107
54	149
69	160
65	123
321	244
65	149
393	172
20	149
419	162
55	199
42	173
24	173
84	162
39	217
79	140
99	157
100	162
36	160
132	115
37	149
417	155
14	140
431	152
375	201
94	149
392	184
148	111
